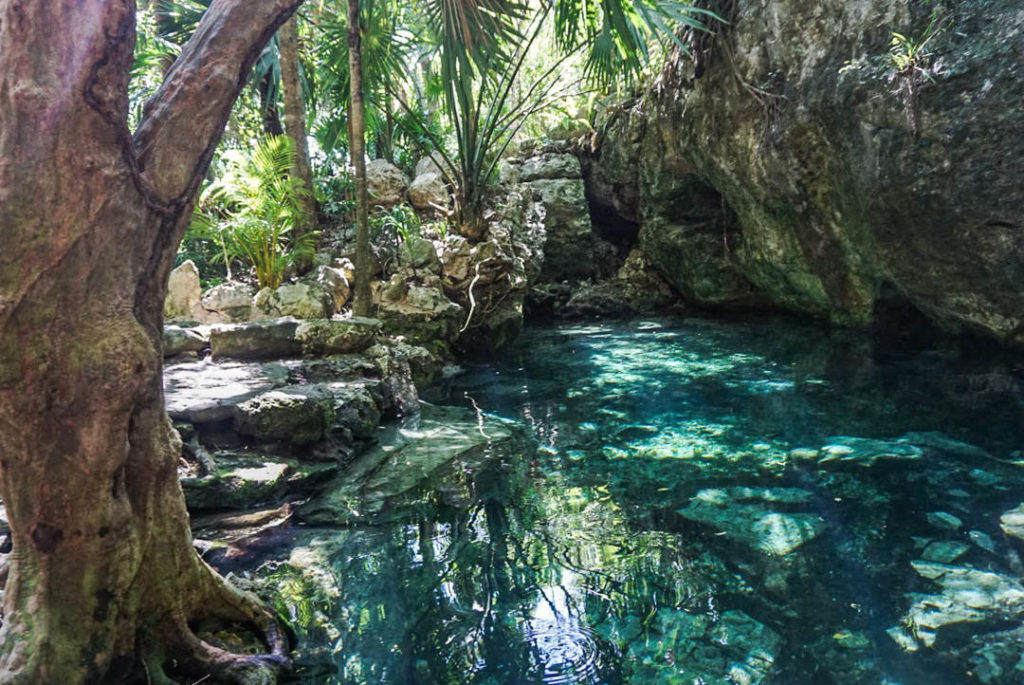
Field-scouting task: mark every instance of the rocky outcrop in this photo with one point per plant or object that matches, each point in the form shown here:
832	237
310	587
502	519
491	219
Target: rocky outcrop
385	183
795	161
556	180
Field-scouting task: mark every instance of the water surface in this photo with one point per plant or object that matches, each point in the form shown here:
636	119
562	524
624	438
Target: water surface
692	502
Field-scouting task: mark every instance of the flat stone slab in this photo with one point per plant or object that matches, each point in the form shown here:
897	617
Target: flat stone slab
178	340
749	515
205	392
272	339
244	480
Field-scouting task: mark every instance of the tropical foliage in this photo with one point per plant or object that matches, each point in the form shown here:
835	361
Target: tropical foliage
460	78
250	212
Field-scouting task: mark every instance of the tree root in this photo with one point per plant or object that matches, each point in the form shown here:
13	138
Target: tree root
180	652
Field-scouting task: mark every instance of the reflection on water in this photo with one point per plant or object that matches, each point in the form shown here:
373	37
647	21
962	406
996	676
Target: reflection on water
706	503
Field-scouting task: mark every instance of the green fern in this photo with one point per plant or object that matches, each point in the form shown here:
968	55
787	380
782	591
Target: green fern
252	210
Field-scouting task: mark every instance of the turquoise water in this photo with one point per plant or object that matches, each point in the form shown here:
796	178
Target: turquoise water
687	502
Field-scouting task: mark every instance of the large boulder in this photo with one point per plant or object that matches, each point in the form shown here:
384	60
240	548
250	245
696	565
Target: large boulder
183	293
385	183
256	340
419	254
303	300
797	161
337	336
432	164
227	303
428	191
299	414
422	315
334	279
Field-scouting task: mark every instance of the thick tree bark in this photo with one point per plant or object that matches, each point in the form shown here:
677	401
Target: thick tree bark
361	297
295	114
102	577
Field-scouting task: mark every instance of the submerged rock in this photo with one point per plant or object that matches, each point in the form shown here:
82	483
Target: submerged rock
867	451
746	515
1012	523
408	454
968	596
688	648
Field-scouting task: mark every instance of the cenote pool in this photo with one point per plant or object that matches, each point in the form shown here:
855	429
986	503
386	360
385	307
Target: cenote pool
677	502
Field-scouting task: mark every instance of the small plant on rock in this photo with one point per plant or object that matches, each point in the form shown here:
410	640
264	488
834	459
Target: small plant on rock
913	65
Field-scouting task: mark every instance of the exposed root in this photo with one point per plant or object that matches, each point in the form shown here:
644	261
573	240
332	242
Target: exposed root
233	604
177	652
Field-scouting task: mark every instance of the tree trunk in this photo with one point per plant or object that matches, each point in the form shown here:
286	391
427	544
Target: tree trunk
295	115
361	300
102	578
268	105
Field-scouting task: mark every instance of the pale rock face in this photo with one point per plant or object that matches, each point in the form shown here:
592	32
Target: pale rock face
183	292
430	165
301	300
428	191
385	183
227	303
335	281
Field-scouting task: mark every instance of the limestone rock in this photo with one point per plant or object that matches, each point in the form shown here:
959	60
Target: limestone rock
746	515
419	254
227	303
385	183
428	191
337	336
303	300
206	392
1012	523
178	340
335	280
183	292
968	596
256	340
829	191
867	451
421	315
549	166
296	414
407	455
432	164
245	480
569	247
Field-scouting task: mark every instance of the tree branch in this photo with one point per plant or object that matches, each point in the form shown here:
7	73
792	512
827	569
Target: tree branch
184	120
